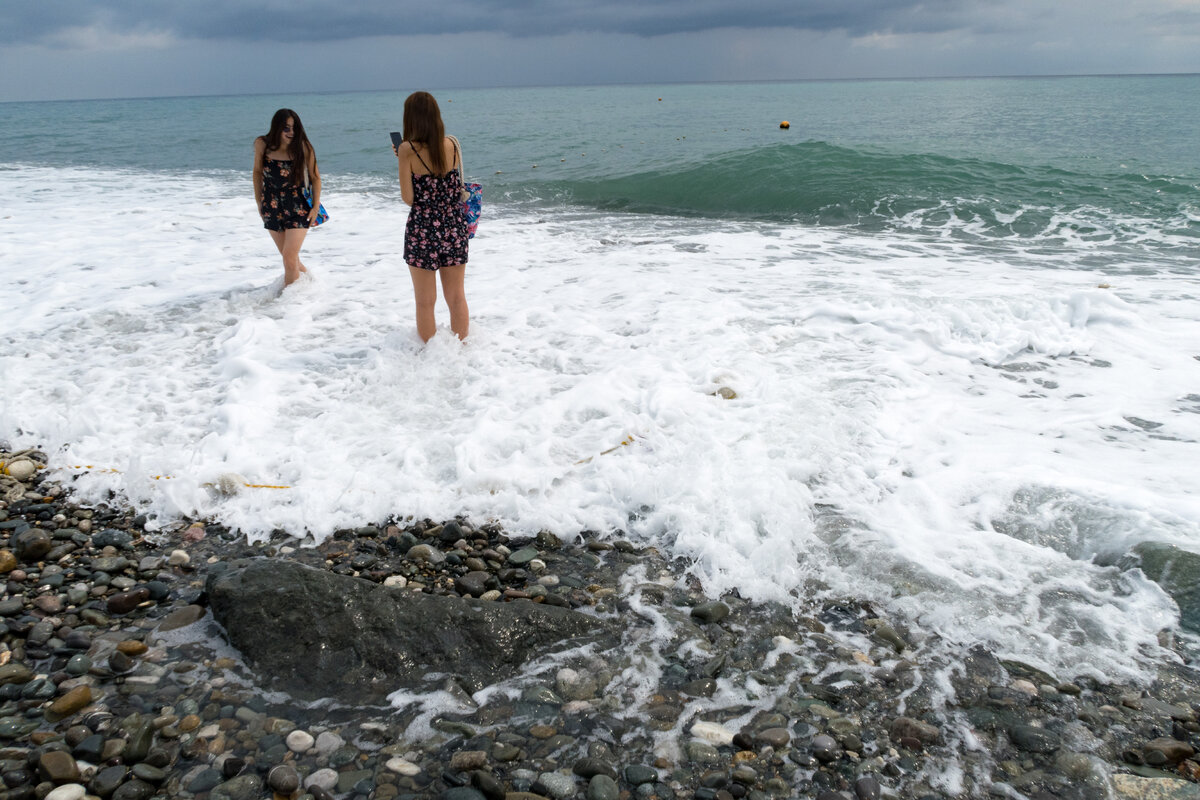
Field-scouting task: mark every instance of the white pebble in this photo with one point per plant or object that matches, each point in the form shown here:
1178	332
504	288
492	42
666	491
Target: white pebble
402	766
230	483
712	732
1022	685
68	791
179	558
490	596
548	580
325	778
328	742
395	580
299	741
22	469
537	566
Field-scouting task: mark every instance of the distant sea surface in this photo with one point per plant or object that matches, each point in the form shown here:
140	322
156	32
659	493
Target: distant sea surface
936	345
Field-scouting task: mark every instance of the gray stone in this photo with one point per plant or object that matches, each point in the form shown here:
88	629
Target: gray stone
637	774
556	784
473	583
283	779
149	773
462	793
602	787
140	790
522	556
318	634
109	564
349	779
702	753
707	613
825	749
867	788
243	787
111	537
773	737
11	605
588	768
1176	571
106	781
1033	739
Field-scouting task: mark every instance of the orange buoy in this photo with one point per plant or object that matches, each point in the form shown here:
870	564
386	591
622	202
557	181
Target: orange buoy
785	124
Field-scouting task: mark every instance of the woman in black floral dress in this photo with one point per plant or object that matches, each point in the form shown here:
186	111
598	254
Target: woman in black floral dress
281	159
435	237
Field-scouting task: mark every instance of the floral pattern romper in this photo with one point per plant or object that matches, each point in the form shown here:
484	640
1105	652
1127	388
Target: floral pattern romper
283	205
436	233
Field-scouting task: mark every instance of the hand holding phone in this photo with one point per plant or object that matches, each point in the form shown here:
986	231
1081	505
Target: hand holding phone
397	138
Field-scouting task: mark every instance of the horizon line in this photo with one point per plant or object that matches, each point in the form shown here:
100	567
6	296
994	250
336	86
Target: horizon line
602	84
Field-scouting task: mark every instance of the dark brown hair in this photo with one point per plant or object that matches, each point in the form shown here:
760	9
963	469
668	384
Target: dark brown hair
423	125
298	150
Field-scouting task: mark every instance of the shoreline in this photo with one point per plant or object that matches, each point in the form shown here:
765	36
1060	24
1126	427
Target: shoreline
114	679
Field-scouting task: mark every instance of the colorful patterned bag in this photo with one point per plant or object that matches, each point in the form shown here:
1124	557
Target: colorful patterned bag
322	216
472	206
470	196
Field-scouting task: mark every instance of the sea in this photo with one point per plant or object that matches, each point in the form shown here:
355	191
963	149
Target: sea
935	345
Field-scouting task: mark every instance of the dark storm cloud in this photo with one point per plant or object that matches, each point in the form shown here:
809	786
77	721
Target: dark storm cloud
310	20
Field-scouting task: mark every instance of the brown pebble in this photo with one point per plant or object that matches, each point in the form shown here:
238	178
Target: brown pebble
8	561
132	647
469	759
189	723
69	703
124	602
48	603
58	767
542	731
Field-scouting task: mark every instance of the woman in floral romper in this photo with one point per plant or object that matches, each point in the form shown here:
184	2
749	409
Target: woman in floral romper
435	238
281	159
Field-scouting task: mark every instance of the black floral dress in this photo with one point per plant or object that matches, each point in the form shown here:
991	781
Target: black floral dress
284	206
436	233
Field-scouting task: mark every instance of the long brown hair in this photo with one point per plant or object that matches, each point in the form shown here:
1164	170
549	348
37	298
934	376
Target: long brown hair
298	149
423	125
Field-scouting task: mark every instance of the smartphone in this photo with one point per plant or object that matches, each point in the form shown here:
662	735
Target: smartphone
397	138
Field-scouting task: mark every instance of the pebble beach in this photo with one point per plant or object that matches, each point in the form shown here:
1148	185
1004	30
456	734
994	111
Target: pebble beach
116	682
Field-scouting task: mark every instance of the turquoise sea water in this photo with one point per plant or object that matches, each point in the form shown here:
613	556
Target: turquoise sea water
1111	159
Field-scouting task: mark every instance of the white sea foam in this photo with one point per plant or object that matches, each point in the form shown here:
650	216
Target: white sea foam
909	421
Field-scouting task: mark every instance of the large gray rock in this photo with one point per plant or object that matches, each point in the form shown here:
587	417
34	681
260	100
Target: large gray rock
1177	572
316	634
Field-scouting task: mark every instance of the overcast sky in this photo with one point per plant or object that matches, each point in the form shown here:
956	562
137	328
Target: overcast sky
61	49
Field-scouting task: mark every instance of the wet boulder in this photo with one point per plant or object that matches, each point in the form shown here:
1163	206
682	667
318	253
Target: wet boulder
317	634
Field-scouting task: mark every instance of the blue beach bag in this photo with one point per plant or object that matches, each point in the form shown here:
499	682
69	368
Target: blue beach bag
322	216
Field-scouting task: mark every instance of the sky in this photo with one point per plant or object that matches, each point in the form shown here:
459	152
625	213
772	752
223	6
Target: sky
71	49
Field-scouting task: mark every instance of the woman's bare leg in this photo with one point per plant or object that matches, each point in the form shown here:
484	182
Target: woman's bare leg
425	293
286	242
456	298
293	238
